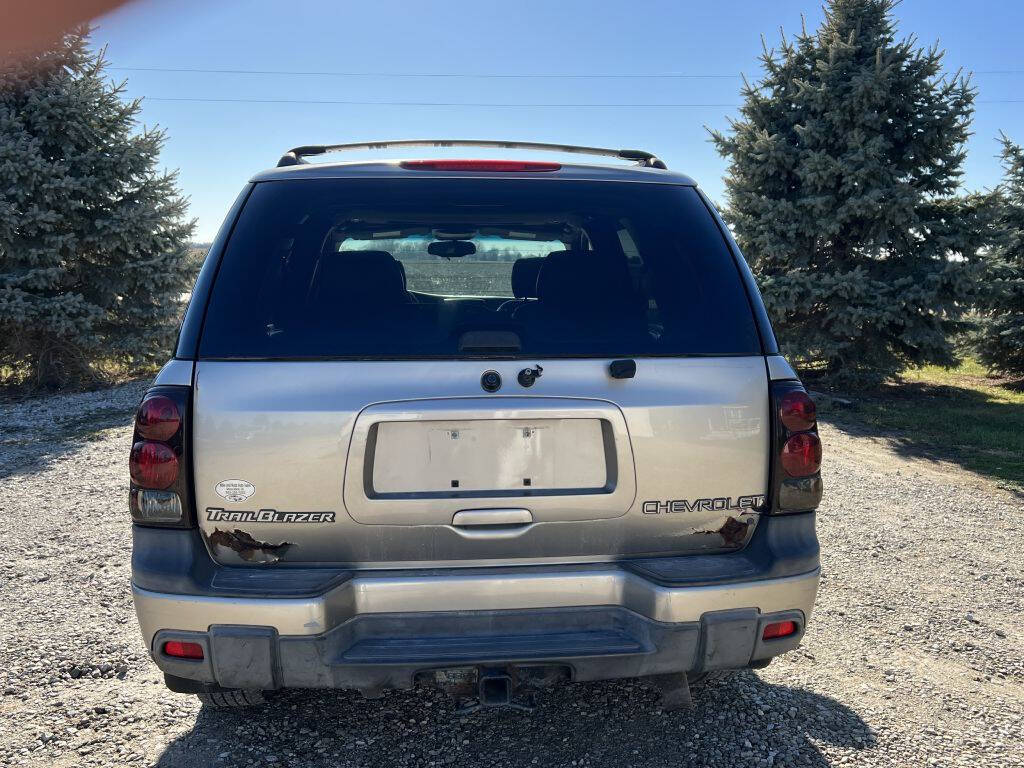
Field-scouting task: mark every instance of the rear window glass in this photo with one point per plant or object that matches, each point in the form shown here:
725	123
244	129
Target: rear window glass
471	268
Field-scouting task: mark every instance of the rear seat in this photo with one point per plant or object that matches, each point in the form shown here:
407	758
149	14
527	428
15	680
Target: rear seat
384	256
583	293
359	292
358	283
567	294
524	282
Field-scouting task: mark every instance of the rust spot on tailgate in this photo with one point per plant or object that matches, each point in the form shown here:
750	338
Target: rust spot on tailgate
248	548
733	531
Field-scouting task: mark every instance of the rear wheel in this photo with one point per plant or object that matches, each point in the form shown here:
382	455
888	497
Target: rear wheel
232	699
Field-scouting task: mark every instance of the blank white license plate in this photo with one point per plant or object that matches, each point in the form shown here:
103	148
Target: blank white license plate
498	455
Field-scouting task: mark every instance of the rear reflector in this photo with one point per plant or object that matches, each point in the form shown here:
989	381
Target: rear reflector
801	455
183	650
153	465
479	165
778	629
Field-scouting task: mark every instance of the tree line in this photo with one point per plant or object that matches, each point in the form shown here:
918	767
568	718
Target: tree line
844	192
843	189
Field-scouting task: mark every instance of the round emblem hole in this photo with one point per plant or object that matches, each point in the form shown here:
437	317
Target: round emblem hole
490	381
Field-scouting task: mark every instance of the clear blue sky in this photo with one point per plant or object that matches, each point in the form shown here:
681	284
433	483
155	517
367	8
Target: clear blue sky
217	146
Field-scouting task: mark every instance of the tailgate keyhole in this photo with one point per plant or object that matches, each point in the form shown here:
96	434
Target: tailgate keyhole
529	375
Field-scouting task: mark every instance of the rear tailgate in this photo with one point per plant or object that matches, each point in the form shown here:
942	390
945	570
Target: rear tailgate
665	463
340	411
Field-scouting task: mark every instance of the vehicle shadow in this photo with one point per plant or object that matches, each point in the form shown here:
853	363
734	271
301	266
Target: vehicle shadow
739	720
940	423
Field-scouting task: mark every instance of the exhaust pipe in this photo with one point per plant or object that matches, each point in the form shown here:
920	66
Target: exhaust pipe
494	688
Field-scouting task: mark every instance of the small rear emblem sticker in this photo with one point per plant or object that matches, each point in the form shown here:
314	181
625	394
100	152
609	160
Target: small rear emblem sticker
235	490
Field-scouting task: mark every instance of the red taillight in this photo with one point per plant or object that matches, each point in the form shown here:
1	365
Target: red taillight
798	411
153	465
778	629
160	491
183	650
801	455
796	467
479	165
158	418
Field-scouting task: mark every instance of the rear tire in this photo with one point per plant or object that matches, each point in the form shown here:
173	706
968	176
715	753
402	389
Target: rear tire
232	699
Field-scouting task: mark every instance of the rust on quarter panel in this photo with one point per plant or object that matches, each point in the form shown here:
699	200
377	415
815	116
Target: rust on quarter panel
249	549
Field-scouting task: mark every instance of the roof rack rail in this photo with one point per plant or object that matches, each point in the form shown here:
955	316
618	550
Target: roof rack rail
295	156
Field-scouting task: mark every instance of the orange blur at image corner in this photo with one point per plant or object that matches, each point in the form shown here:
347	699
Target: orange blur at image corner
28	26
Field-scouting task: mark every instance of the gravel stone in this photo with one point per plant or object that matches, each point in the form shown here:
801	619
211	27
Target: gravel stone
914	656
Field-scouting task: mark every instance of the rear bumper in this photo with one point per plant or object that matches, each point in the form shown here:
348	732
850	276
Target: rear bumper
264	628
376	652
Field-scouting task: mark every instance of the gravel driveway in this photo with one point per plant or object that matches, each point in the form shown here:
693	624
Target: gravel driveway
913	657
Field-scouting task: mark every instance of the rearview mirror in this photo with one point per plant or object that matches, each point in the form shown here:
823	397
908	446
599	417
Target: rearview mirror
451	249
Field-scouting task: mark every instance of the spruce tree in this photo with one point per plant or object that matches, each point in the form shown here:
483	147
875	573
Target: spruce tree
1001	341
842	192
93	240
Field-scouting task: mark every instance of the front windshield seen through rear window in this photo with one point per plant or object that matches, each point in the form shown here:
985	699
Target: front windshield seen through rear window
487	272
460	268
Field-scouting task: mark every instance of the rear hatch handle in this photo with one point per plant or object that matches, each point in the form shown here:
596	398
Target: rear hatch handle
501	523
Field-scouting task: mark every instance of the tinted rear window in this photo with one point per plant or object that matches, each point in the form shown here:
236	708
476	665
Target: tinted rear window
470	268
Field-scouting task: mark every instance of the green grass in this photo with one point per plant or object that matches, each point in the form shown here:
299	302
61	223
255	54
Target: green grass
961	415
